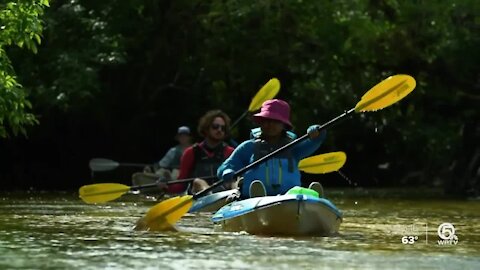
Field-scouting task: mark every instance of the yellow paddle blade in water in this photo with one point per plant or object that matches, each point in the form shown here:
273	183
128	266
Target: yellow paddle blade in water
100	193
324	163
268	91
386	92
164	215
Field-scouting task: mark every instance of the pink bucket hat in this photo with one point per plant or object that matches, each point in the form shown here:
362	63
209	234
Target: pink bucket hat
275	109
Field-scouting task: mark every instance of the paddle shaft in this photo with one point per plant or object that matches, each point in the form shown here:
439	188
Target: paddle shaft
134	164
186	180
103	164
268	91
283	148
238	120
171	182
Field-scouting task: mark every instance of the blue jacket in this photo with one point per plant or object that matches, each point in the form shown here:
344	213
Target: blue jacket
279	173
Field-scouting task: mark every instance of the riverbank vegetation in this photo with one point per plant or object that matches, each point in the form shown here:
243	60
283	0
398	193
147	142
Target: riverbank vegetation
115	79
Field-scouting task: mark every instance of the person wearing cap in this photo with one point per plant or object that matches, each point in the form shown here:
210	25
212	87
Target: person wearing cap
171	160
167	168
201	160
279	173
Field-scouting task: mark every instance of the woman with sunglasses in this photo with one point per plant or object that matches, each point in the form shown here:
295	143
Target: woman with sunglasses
279	173
202	159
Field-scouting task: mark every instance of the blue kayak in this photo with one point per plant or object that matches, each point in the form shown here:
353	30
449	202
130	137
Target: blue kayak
212	202
289	215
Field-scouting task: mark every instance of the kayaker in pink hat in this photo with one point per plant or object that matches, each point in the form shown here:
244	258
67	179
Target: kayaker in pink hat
279	173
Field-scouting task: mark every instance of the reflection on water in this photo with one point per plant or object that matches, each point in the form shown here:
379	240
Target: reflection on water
60	231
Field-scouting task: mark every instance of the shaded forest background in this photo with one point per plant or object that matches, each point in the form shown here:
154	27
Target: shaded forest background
114	79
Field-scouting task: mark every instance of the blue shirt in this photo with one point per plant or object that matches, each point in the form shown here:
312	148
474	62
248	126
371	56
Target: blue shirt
278	174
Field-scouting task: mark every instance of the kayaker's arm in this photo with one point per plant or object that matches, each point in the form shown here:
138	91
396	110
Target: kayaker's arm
167	160
239	159
309	146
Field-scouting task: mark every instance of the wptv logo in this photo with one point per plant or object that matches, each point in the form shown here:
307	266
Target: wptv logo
446	233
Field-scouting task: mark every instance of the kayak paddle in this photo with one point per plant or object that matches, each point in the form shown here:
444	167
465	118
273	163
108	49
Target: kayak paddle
165	214
324	163
268	91
103	164
105	192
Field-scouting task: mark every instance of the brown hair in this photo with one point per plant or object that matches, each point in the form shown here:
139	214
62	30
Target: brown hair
207	119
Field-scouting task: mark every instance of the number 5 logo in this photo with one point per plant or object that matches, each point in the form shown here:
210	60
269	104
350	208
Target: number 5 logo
446	231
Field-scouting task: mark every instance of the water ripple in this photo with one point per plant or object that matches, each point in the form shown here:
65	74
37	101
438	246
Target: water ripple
60	231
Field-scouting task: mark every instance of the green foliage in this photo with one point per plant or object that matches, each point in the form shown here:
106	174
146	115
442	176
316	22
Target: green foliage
20	25
132	61
327	54
79	43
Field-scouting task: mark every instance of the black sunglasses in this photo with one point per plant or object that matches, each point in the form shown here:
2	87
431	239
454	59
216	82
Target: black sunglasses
218	126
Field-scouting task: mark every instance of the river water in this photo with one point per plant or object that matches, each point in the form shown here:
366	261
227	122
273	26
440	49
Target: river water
59	231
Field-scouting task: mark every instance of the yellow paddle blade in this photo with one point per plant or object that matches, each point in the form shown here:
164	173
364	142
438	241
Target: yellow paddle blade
386	92
100	193
268	91
324	163
164	215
